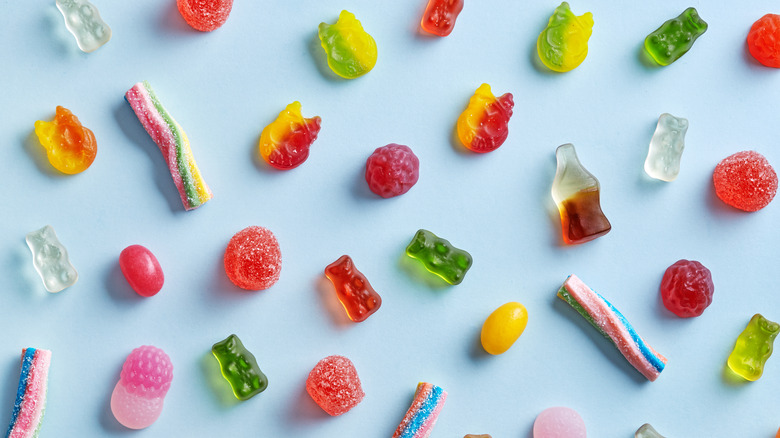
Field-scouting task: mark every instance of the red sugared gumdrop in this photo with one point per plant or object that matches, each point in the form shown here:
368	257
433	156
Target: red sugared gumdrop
335	385
253	260
559	422
763	40
142	270
205	15
745	181
687	288
392	170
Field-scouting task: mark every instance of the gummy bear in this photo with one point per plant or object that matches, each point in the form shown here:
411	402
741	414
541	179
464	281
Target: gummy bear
253	260
355	293
687	288
205	15
675	37
753	347
559	422
137	399
763	40
239	367
440	15
351	51
421	416
439	256
51	260
30	403
285	142
142	270
83	20
666	148
392	170
647	431
576	192
484	125
334	385
745	180
70	146
563	44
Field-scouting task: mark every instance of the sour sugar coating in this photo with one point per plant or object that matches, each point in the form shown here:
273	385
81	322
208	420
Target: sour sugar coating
137	400
205	15
239	367
484	125
30	400
423	413
687	288
351	51
675	37
502	328
83	20
285	142
612	325
647	431
334	385
439	256
173	144
763	40
576	192
745	181
753	347
392	170
353	290
142	270
666	148
440	15
559	422
563	44
253	259
51	260
70	146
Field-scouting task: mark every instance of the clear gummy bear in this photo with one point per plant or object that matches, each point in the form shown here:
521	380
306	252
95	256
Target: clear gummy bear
51	260
83	20
666	148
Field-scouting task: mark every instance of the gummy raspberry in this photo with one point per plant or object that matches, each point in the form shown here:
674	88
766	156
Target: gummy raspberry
253	260
392	170
745	181
334	385
687	288
205	15
147	371
763	40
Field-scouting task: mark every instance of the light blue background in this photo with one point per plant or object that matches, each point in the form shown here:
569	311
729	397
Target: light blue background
224	87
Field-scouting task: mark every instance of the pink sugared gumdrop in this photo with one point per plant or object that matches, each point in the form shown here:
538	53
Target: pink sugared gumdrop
137	400
559	422
142	270
745	181
335	385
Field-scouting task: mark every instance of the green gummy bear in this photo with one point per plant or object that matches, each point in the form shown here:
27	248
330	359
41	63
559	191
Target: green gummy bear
439	256
239	368
753	347
675	37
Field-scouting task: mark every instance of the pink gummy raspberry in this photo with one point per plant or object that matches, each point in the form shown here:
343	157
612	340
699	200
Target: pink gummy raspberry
253	260
745	181
334	385
138	397
205	15
392	170
559	422
687	288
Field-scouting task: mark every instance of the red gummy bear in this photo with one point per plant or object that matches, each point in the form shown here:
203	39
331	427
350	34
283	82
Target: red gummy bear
205	15
392	170
440	15
745	181
687	288
763	40
334	385
355	293
253	260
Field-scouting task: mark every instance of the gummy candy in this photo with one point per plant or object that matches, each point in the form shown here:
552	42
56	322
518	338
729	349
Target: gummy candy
285	142
666	148
205	15
502	328
559	422
612	325
355	293
439	256
239	368
686	288
334	385
753	347
351	50
51	260
142	270
763	40
477	436
173	143
137	400
83	20
30	402
675	37
647	431
423	413
392	170
70	146
576	192
745	181
253	260
440	15
484	125
563	44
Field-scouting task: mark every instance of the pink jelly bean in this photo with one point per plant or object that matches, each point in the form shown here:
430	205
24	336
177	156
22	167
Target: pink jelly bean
137	400
559	422
142	270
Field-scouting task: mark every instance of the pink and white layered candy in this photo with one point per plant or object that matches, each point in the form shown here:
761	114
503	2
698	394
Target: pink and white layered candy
138	397
31	394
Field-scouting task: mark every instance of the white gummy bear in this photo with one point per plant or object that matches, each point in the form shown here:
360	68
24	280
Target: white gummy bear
83	20
666	148
647	431
50	259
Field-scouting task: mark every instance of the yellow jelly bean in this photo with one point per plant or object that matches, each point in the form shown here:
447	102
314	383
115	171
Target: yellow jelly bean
502	328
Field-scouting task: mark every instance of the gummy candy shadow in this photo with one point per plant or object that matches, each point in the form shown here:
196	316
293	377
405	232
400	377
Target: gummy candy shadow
216	383
320	60
117	285
417	271
331	303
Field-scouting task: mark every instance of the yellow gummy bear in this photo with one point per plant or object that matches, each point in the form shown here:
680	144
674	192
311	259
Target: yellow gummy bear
563	44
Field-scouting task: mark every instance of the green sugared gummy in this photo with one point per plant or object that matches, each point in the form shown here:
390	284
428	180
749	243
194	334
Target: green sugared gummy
753	347
675	37
239	368
439	256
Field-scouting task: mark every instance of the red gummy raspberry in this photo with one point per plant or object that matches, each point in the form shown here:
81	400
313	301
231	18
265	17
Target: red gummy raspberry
335	385
763	40
392	170
687	288
205	15
745	181
253	260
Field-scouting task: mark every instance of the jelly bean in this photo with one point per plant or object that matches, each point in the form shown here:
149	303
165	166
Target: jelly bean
484	125
559	422
753	347
502	328
142	270
422	414
205	15
334	385
563	44
687	288
439	256
137	399
647	431
51	260
392	170
351	51
239	367
745	180
440	15
285	142
70	146
666	148
355	293
675	37
253	260
83	21
30	403
763	40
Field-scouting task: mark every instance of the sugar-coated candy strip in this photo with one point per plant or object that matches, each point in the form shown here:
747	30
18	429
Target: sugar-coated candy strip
173	144
423	413
31	394
613	325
